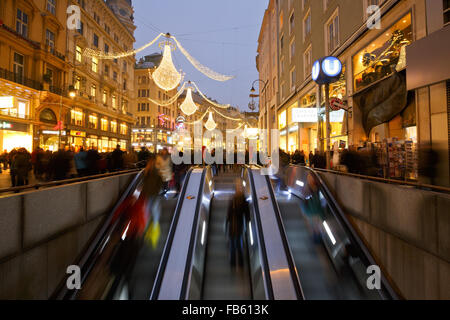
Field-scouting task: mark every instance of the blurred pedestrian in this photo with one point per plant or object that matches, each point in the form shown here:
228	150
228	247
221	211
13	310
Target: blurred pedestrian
164	166
117	159
92	160
237	215
81	162
22	166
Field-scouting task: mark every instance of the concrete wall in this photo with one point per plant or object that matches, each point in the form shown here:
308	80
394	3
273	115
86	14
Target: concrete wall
407	230
43	232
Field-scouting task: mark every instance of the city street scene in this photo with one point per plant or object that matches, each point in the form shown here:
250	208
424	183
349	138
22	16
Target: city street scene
224	151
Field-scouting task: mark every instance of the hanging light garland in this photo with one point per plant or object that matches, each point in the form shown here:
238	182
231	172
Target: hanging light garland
111	56
166	76
188	106
199	120
171	100
203	69
218	105
210	125
226	117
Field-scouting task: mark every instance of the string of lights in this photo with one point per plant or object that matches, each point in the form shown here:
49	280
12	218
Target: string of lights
222	106
203	69
111	56
171	100
226	117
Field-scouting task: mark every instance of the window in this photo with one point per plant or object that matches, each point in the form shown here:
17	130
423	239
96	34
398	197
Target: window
383	55
94	91
95	64
307	25
76	117
292	49
307	62
95	42
281	42
125	84
22	23
51	6
106	48
105	96
282	65
332	32
114	102
18	66
123	129
446	12
106	70
78	53
50	41
274	85
93	121
77	82
291	23
81	30
107	29
115	76
293	79
114	126
125	66
104	125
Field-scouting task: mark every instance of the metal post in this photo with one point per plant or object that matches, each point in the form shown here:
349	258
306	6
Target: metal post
327	112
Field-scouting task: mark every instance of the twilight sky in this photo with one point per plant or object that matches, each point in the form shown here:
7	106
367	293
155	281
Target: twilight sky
221	34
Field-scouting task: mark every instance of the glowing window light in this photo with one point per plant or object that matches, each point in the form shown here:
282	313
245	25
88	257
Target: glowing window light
166	75
210	125
188	106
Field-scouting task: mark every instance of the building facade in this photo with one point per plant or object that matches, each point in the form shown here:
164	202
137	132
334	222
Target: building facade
379	107
33	64
100	114
42	61
155	123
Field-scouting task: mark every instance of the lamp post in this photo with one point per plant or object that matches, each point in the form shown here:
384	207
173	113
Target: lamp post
325	71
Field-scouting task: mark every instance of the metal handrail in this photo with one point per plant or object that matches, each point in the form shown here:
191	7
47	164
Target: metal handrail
65	182
392	181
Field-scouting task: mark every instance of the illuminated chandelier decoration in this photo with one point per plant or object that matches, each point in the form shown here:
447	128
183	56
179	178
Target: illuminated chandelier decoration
188	106
203	69
166	76
210	125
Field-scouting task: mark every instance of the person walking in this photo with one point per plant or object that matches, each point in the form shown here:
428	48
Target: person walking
237	215
81	162
164	167
117	159
22	166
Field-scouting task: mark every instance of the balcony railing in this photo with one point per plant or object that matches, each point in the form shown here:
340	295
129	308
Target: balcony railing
18	78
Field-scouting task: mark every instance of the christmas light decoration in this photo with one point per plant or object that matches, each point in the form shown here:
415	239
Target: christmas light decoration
110	56
226	117
188	106
222	106
166	75
205	70
171	100
210	125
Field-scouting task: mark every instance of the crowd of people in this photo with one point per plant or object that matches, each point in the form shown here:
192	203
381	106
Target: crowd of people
63	164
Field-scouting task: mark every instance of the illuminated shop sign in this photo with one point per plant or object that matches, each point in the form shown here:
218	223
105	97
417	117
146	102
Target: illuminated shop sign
304	115
53	132
5	125
77	133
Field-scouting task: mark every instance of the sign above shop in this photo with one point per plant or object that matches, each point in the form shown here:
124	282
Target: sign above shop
13	126
53	132
5	125
77	133
304	115
337	104
327	70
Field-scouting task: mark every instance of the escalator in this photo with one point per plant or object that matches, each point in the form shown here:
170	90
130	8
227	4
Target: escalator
195	263
123	257
331	261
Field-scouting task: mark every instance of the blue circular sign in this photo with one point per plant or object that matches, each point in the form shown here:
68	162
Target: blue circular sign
331	66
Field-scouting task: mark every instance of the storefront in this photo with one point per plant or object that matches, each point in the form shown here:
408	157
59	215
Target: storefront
15	135
49	139
77	139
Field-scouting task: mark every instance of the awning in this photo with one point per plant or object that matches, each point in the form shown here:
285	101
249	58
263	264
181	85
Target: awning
381	102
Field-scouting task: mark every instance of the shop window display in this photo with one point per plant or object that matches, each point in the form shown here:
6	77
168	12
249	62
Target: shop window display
384	56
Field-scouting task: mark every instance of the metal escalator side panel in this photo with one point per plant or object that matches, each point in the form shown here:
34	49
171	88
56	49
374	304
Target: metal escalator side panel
169	242
177	256
298	182
280	268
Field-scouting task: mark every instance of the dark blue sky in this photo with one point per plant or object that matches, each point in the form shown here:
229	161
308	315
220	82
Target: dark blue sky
221	34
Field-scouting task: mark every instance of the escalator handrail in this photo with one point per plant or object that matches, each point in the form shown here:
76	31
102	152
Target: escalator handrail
258	226
184	286
290	259
351	232
170	237
88	257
